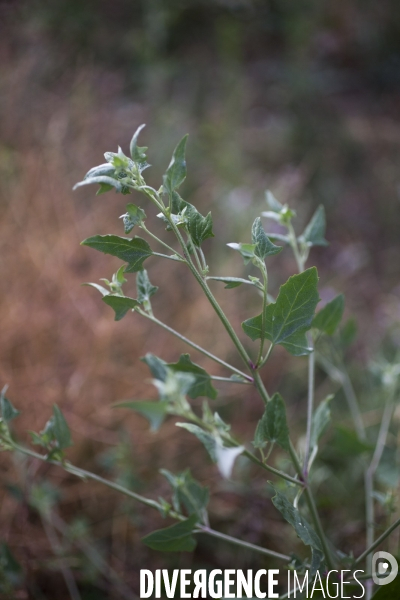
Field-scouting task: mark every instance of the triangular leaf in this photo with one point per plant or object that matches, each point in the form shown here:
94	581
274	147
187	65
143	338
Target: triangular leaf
291	315
176	538
246	250
7	410
134	216
120	304
272	426
303	529
154	412
272	202
101	179
133	251
202	385
199	227
104	169
176	172
264	246
329	317
144	288
205	438
157	366
314	233
138	154
320	420
188	492
61	429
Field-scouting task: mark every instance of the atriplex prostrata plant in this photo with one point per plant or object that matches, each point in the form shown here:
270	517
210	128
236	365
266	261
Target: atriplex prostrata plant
288	320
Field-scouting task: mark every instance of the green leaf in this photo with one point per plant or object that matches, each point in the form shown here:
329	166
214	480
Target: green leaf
104	169
138	154
272	426
346	443
61	429
348	332
120	304
176	538
320	420
188	492
287	320
8	412
329	317
176	172
102	180
272	202
231	282
103	291
154	412
133	251
314	233
263	245
199	227
246	250
144	288
303	529
202	385
134	216
205	438
157	366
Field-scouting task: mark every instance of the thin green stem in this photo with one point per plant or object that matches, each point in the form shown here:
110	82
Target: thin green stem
377	543
230	380
143	226
195	346
175	257
370	472
203	260
266	357
313	509
231	332
264	308
310	406
258	382
228	538
83	474
276	472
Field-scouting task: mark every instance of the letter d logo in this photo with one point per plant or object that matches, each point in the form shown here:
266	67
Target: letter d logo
384	568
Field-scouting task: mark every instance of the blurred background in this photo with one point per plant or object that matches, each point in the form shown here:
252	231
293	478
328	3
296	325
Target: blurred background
300	98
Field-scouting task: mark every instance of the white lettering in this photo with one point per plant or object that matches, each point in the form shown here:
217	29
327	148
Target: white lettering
244	587
257	591
200	581
272	583
146	578
215	588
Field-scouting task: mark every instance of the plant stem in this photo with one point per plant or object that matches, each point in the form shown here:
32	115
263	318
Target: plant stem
143	226
263	465
231	332
264	307
265	359
310	407
228	538
229	380
176	257
82	473
370	472
313	509
195	346
377	542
